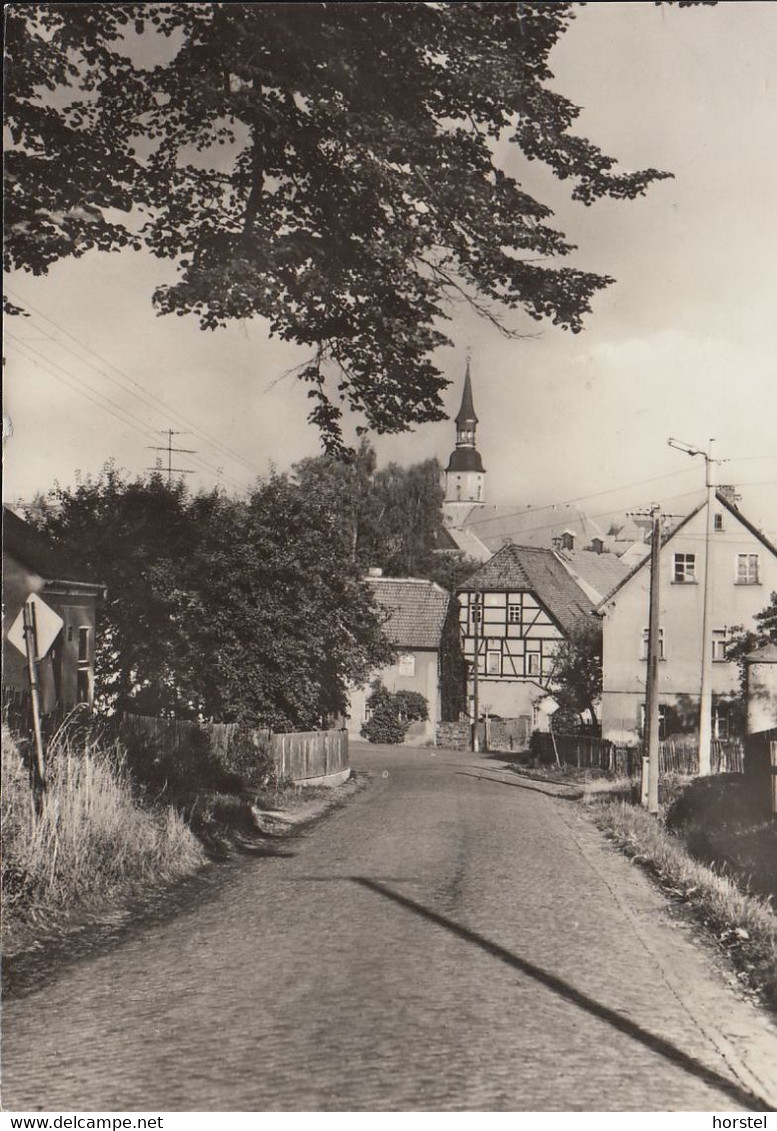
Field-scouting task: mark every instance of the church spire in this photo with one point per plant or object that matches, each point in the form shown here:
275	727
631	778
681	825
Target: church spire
466	414
465	475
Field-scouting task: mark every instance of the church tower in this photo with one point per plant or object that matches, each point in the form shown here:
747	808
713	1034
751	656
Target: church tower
465	476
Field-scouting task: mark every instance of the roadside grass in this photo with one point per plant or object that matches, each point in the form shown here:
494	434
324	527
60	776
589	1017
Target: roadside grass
95	839
742	923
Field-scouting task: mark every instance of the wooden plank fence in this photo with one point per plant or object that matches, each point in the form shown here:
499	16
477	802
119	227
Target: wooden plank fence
299	756
680	757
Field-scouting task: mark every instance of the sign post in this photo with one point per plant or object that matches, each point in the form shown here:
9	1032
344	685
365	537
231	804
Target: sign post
33	632
31	649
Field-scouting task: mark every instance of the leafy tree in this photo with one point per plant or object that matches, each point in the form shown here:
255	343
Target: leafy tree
745	641
328	167
390	518
224	609
576	682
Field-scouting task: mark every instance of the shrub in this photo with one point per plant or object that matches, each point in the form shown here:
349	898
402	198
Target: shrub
250	756
392	714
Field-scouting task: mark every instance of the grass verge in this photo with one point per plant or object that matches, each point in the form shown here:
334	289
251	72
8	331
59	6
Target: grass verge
743	925
94	843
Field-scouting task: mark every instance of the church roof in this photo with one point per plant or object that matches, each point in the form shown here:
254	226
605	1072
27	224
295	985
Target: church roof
539	571
466	413
497	523
465	459
416	610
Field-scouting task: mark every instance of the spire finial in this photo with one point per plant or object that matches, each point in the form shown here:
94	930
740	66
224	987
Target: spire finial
466	417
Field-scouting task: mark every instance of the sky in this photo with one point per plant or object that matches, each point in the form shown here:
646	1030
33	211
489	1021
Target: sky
683	344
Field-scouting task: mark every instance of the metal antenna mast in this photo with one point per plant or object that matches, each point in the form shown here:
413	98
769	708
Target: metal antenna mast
170	432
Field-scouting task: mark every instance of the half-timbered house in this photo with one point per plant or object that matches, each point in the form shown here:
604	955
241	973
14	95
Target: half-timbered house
514	611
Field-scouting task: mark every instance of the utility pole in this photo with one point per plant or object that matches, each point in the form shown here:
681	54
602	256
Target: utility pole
705	689
650	768
476	613
170	432
652	712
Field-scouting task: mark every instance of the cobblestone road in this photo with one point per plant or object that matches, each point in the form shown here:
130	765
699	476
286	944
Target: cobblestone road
452	939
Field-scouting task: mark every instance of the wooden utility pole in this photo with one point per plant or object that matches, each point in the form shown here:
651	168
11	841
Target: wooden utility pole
476	613
652	712
31	648
705	689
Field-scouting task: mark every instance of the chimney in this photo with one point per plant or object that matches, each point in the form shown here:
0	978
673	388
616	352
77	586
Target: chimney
729	493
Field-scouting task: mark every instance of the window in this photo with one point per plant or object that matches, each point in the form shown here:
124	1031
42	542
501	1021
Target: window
69	633
747	569
532	662
684	569
82	686
83	645
719	642
407	664
476	614
493	663
645	634
718	522
514	614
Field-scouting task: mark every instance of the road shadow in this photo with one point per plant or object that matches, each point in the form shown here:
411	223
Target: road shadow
575	794
567	992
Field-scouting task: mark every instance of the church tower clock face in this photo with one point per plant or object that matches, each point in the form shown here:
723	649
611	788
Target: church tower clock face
465	476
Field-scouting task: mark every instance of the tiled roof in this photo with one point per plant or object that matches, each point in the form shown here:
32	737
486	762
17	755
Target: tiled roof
539	571
32	548
599	573
416	610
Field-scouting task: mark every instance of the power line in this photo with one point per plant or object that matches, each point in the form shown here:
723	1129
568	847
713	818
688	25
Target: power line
102	401
144	394
580	498
552	525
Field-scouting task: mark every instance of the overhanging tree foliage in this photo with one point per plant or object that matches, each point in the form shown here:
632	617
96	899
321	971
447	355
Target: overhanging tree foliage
328	167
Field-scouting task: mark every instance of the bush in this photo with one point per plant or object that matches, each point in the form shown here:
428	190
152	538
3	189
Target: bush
250	756
392	714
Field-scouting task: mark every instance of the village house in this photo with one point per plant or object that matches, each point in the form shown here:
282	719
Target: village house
742	576
32	566
514	612
421	623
